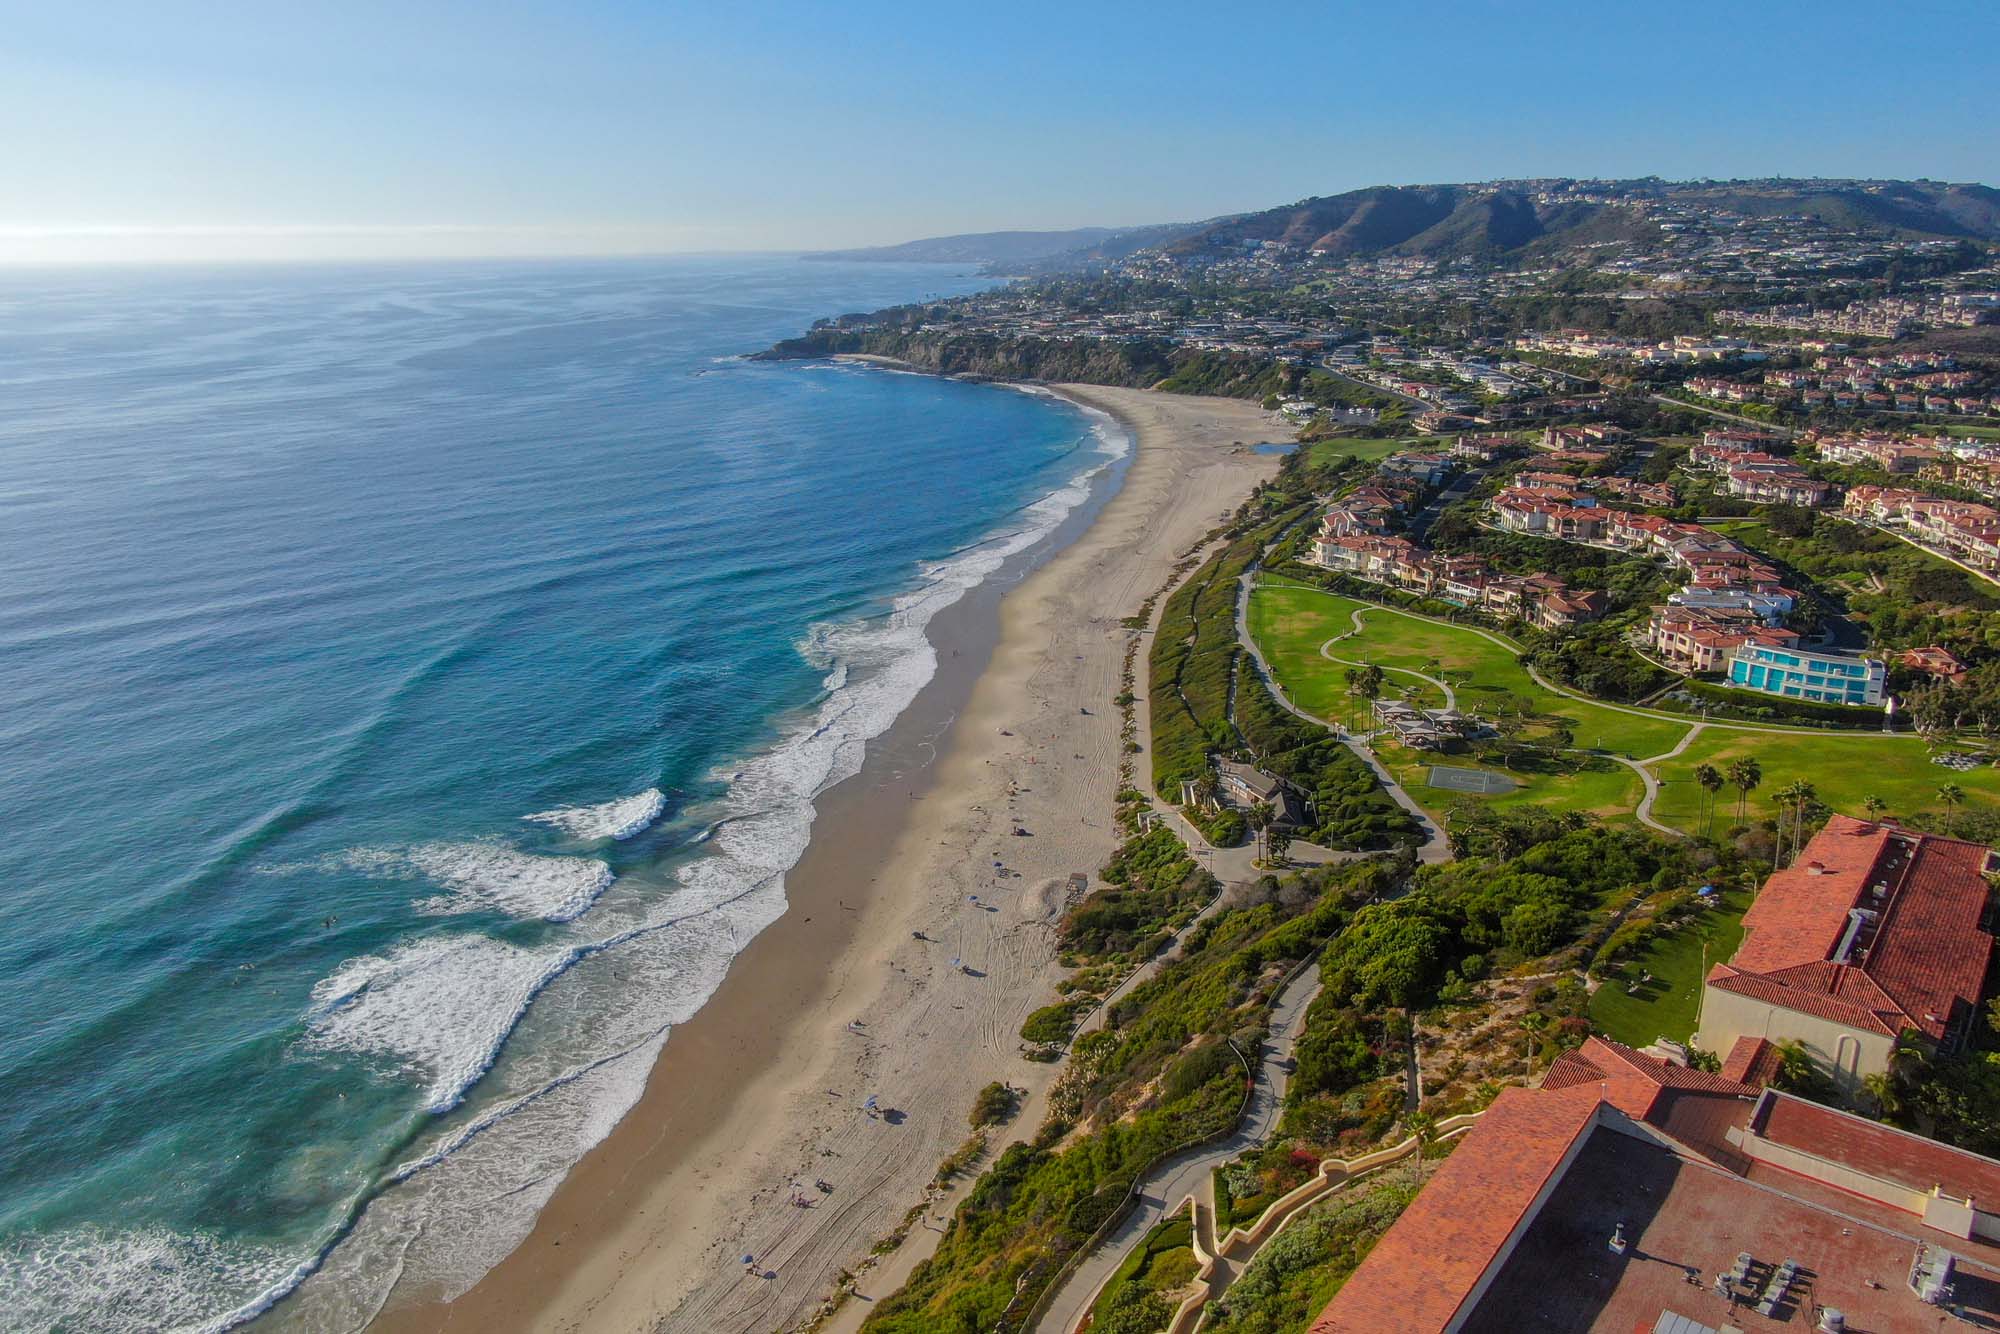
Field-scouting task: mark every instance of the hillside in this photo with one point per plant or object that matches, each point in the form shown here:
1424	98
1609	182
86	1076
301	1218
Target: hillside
1014	248
1500	218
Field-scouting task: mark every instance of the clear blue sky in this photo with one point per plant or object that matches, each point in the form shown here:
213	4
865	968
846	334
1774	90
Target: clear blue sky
144	128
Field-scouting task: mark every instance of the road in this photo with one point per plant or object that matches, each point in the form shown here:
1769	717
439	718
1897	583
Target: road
1397	394
1167	1187
1751	422
1461	487
1928	551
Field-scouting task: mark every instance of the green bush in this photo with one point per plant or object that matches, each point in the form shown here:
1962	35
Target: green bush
1052	1023
994	1104
1191	1071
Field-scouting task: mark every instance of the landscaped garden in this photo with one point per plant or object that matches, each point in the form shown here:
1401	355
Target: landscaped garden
1303	631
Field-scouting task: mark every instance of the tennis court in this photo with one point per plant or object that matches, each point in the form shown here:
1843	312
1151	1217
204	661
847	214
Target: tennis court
1483	782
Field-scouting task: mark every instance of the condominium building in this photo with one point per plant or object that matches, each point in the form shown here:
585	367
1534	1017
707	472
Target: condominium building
1796	673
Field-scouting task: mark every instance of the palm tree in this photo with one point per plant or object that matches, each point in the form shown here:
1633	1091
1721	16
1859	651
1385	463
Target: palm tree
1953	796
1365	682
1746	774
1874	806
1882	1091
1258	817
1710	780
1783	799
1794	796
1534	1023
1423	1128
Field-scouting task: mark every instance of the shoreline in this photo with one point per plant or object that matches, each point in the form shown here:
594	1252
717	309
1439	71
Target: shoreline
838	999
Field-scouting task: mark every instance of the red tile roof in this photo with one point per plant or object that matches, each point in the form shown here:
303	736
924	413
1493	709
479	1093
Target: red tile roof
1929	953
1926	959
1630	1080
1802	910
1877	1150
1832	991
1753	1062
1452	1232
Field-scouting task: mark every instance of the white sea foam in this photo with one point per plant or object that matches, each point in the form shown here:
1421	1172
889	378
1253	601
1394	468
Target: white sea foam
579	1057
488	874
438	1009
138	1282
623	818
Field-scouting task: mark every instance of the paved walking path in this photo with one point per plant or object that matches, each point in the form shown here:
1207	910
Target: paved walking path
1450	696
1436	847
1167	1187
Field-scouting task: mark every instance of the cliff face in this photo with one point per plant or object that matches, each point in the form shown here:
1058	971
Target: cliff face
1138	365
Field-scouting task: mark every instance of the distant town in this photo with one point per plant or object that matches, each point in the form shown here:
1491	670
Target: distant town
1591	739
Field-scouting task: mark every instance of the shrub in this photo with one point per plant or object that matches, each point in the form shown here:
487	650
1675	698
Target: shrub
994	1104
1196	1068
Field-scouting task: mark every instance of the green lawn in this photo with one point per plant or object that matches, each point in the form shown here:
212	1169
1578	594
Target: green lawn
1291	624
1602	788
1322	452
1668	1005
1844	769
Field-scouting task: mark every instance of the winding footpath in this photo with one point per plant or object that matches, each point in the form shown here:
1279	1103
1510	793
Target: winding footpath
1166	1189
1436	847
1450	696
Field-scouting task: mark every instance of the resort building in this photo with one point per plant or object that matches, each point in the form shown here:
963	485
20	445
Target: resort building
1245	785
1797	673
1778	486
1872	933
1629	1195
1700	638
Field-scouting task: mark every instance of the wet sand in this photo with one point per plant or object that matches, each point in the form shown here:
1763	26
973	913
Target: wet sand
759	1095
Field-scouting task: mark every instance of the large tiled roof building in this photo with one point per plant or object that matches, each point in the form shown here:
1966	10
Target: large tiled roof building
1873	932
1629	1195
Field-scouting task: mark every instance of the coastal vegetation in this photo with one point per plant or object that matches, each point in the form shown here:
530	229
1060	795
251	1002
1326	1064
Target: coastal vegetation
1167	1069
1530	895
1300	1270
1198	671
1132	364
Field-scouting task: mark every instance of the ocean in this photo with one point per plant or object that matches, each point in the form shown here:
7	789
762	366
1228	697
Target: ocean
417	680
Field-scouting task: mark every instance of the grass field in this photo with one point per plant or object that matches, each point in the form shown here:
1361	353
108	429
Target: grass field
1336	450
1292	624
1604	789
1668	1005
1844	769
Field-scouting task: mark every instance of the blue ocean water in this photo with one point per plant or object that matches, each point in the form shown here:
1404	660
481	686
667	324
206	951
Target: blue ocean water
416	680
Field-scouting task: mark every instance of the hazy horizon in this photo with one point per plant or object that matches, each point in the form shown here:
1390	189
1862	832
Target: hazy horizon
399	132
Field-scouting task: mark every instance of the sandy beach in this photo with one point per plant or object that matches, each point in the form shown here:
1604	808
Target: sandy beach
759	1096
